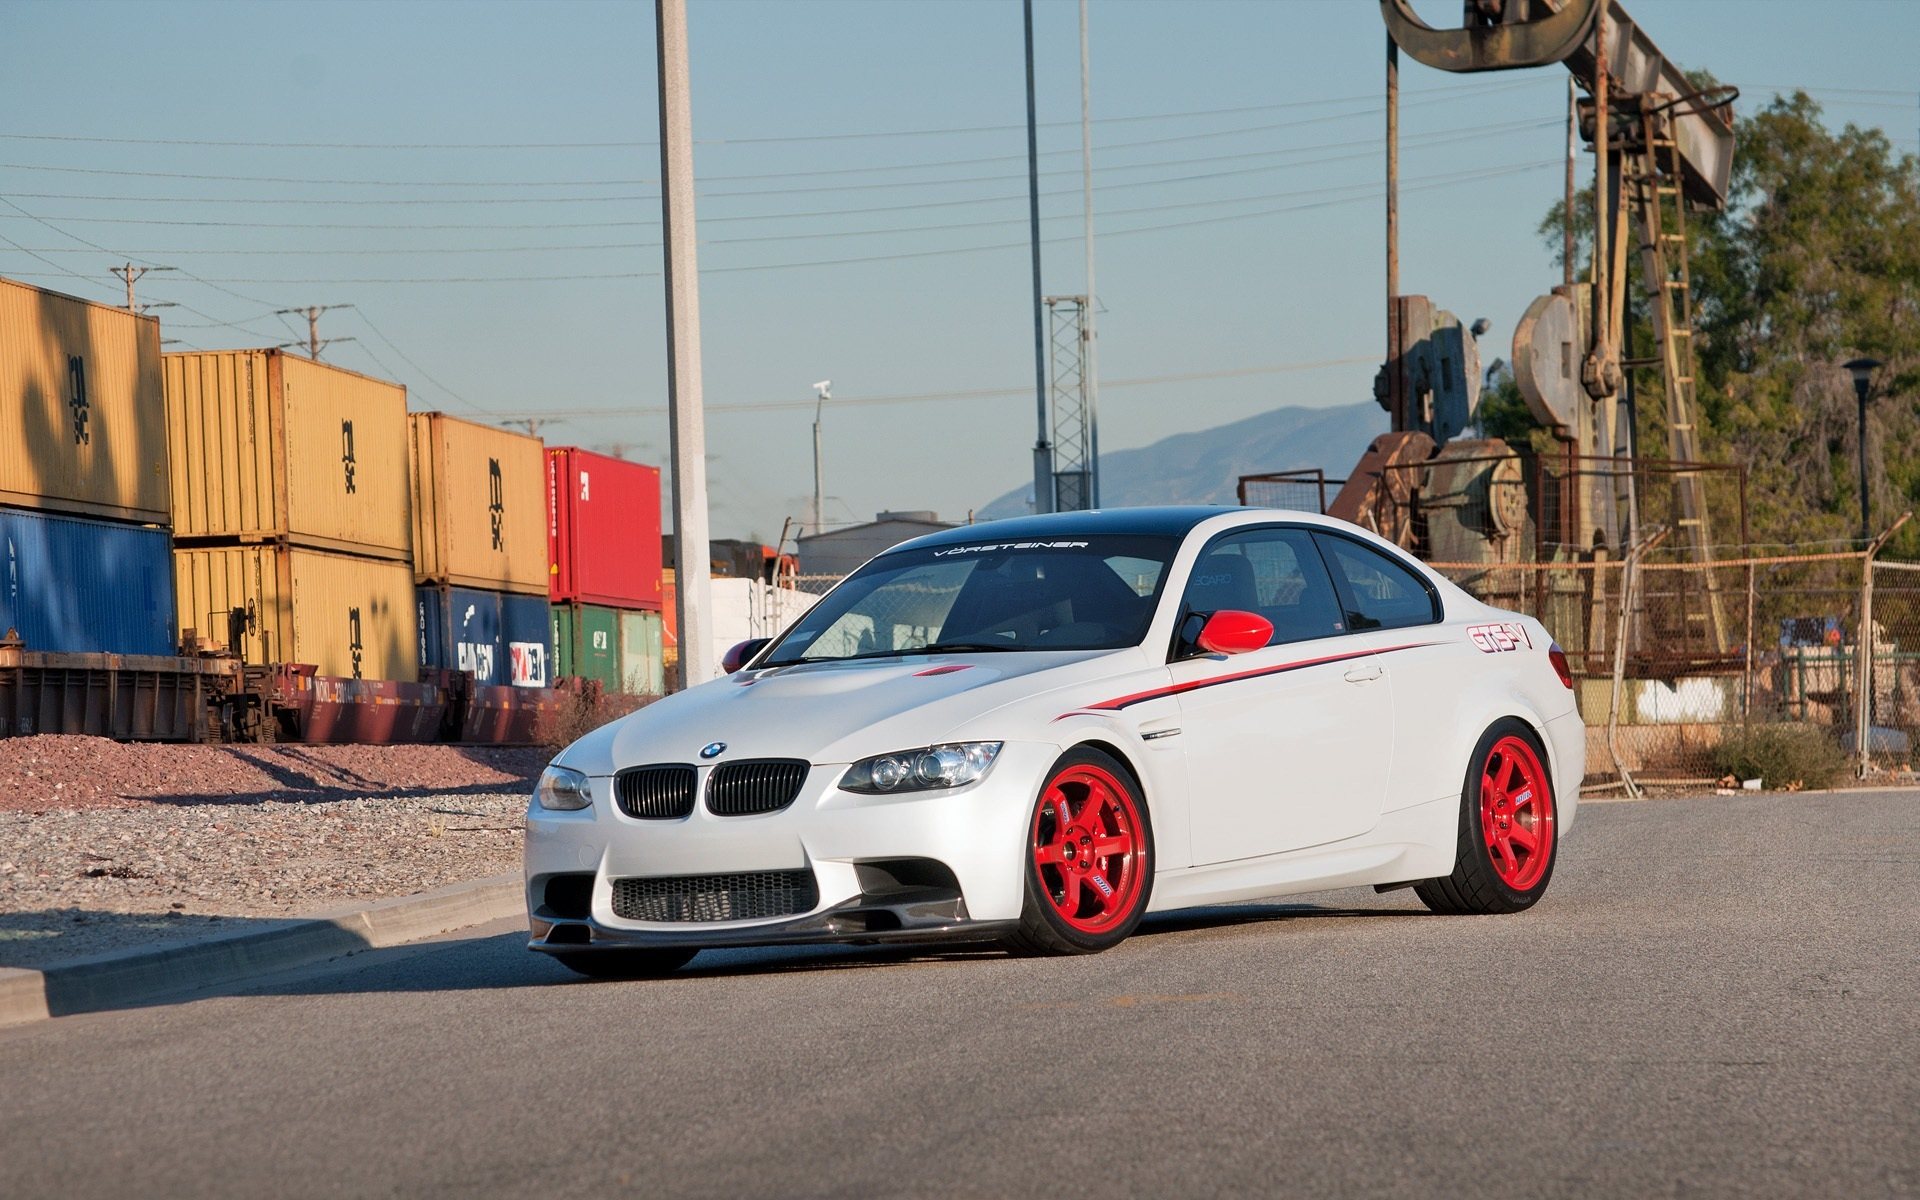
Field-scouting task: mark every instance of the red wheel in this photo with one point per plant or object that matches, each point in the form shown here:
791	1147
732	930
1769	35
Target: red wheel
1507	839
1516	813
1089	850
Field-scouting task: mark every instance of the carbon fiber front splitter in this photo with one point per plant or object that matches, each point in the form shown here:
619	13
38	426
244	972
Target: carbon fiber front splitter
908	915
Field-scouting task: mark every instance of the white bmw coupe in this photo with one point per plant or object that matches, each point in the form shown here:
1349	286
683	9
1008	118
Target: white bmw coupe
1036	731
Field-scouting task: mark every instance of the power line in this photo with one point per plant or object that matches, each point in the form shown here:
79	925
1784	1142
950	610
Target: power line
1441	140
408	359
351	201
1473	175
828	234
1455	90
1464	177
1183	138
500	183
969	394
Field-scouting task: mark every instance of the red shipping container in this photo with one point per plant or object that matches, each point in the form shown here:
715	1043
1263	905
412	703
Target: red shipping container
603	530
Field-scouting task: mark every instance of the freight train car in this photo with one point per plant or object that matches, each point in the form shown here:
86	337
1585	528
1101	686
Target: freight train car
72	585
479	506
271	447
603	530
497	637
348	617
82	423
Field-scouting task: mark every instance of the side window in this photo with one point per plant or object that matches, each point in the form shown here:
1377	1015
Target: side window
1380	593
1273	572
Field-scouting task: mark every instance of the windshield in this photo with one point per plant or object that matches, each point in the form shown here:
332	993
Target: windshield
1090	593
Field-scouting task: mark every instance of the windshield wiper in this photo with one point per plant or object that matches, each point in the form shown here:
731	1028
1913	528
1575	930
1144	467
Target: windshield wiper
910	651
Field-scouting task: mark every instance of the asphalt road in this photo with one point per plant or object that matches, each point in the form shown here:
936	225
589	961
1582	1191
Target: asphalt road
1717	997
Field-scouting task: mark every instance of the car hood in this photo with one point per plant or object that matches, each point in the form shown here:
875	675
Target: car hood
832	711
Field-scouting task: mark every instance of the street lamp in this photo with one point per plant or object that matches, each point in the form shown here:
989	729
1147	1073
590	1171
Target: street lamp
1862	369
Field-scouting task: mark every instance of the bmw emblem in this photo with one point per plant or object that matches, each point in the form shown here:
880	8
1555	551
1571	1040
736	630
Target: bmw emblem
713	750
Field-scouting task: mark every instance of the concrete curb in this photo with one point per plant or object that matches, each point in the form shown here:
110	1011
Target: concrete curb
128	978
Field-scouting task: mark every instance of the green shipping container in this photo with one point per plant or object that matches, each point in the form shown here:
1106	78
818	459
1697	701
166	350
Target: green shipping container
642	669
586	643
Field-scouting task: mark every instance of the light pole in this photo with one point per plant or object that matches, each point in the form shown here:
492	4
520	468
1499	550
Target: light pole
822	391
1862	370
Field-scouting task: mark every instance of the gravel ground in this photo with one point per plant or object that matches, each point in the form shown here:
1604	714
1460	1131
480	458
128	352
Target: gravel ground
66	771
105	846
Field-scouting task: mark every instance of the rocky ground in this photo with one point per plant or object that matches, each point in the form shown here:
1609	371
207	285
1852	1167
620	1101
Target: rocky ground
104	845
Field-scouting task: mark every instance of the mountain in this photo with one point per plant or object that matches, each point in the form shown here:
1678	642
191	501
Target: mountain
1203	467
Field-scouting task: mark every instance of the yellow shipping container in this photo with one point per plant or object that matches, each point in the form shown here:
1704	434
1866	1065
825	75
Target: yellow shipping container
268	445
350	617
82	423
479	505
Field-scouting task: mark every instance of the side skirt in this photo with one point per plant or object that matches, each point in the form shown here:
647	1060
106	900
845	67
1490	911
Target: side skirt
1410	844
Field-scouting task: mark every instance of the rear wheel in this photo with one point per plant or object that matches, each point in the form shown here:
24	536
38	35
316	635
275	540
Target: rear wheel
634	963
1088	859
1508	838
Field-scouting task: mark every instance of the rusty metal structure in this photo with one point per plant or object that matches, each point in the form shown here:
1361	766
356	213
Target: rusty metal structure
1662	148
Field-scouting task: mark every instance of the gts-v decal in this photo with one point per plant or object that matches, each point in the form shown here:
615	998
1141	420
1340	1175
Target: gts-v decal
1176	689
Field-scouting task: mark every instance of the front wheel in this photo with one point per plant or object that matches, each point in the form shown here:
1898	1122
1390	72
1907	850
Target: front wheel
631	963
1508	839
1088	858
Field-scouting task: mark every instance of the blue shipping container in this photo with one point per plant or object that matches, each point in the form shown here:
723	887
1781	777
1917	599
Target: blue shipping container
499	637
76	586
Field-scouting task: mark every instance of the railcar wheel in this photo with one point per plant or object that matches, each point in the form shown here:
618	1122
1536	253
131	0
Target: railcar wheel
1508	839
633	963
1088	859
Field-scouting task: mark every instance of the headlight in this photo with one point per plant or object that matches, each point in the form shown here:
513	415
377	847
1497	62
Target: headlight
563	789
929	768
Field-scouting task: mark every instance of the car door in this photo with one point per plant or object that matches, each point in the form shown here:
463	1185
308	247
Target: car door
1287	746
1394	604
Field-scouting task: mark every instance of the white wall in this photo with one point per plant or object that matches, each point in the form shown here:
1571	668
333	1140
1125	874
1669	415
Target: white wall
747	608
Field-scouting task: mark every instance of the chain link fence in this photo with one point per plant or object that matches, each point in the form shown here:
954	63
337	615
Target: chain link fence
1679	666
1675	661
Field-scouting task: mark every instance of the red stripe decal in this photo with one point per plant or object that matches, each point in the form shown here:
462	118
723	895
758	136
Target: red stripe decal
1176	689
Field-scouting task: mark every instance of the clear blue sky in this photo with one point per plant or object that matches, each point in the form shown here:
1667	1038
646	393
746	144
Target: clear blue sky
497	273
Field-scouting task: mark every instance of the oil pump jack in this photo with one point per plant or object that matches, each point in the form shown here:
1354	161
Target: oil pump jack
1664	147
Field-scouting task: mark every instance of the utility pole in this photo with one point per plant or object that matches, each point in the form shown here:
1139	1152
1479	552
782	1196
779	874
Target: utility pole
1393	189
312	313
128	274
1566	212
823	391
686	416
1091	381
1042	452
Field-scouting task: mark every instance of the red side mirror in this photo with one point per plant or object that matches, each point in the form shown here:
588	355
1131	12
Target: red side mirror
737	657
1231	631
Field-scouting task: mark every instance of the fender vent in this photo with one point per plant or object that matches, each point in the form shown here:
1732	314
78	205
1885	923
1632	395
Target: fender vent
663	792
740	789
745	896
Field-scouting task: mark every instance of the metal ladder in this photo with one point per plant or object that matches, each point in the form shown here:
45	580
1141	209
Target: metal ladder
1661	208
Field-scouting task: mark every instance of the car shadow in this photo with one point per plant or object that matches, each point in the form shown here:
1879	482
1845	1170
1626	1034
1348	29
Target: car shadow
494	961
501	961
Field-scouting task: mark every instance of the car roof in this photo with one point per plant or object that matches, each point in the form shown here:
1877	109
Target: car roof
1164	521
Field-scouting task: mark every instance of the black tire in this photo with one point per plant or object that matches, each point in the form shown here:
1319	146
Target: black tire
1476	885
1044	930
634	963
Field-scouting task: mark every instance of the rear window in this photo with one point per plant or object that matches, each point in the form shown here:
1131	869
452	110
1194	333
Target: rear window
1379	592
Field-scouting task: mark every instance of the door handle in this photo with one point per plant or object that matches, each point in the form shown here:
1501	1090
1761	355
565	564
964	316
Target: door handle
1363	674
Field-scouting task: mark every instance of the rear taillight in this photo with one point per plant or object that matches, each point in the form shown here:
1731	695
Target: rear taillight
1558	658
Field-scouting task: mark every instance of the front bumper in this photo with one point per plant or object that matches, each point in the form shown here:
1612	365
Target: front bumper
975	834
863	921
